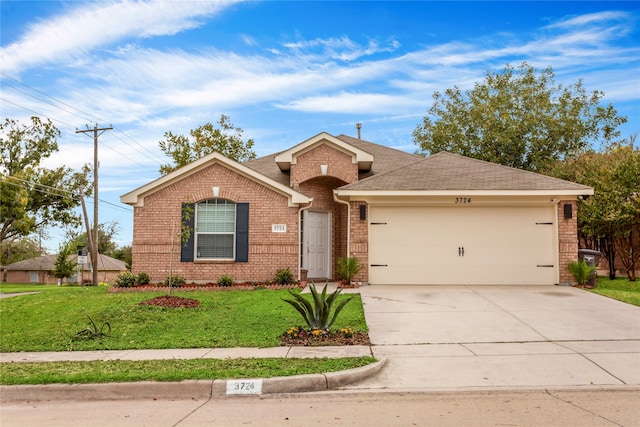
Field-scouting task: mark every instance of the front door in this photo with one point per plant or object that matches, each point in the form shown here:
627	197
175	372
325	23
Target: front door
316	245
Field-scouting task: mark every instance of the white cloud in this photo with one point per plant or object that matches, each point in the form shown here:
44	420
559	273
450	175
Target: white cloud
68	36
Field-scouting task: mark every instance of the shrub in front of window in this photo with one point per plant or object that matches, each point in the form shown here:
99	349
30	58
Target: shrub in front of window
125	280
283	276
225	280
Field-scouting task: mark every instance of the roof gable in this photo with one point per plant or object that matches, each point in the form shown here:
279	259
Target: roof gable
285	159
136	197
444	171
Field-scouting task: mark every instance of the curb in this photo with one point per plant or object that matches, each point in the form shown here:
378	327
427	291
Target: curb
195	389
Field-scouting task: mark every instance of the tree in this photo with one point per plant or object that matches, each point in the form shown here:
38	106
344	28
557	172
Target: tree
123	253
33	197
106	234
63	266
610	219
14	250
205	139
517	118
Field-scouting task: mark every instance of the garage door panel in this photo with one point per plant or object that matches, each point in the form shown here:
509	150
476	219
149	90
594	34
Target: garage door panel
505	245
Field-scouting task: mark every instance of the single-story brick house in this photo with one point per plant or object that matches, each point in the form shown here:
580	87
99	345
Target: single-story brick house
443	219
40	270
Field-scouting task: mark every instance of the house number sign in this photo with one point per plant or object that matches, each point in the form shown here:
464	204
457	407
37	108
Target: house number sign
278	228
463	199
244	387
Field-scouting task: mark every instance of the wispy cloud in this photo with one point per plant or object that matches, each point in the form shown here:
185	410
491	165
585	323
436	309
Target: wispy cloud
72	35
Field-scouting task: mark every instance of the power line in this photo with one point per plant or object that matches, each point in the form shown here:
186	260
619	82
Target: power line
143	150
54	191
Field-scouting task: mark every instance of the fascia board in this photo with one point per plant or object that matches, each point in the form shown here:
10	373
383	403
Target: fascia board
427	193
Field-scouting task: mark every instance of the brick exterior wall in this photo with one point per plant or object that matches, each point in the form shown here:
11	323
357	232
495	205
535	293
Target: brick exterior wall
567	241
360	240
158	221
306	177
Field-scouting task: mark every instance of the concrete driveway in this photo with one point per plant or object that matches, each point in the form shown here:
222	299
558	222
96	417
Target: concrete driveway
444	337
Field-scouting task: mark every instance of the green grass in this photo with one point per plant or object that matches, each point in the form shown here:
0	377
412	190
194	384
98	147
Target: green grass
621	289
167	370
10	288
48	321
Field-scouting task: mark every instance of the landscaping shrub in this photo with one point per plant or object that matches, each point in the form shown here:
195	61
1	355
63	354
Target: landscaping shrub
225	280
176	281
125	280
581	271
142	279
283	276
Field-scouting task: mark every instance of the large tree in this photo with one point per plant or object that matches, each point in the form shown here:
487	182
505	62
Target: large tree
34	197
106	234
519	118
225	139
610	219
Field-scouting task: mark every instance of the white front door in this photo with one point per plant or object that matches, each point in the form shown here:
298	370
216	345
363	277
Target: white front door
316	247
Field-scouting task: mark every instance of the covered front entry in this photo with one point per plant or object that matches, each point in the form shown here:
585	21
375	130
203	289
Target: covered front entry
316	244
483	245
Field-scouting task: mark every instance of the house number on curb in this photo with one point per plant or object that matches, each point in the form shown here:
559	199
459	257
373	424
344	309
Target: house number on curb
463	199
244	387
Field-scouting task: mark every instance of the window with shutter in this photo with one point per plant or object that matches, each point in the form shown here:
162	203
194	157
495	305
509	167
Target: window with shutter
215	228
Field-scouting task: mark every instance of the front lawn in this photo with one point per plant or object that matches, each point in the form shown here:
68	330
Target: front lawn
49	320
620	288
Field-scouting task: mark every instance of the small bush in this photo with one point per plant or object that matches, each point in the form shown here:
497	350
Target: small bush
581	271
125	280
176	281
317	312
142	279
225	280
284	276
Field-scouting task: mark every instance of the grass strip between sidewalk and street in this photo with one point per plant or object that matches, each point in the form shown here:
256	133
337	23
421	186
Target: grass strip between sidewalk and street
107	371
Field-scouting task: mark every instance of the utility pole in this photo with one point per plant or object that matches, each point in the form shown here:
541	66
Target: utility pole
94	248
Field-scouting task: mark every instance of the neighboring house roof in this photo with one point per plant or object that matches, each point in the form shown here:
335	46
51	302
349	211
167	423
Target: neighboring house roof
450	172
47	263
136	197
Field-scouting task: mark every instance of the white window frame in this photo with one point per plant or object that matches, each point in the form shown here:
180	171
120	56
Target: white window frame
199	233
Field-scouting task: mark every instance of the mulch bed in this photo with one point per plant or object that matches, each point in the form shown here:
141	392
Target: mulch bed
207	287
358	338
172	302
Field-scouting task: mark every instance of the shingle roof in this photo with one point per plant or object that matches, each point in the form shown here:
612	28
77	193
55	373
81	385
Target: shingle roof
47	263
446	171
384	159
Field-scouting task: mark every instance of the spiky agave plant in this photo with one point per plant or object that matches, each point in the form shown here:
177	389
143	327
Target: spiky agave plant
317	313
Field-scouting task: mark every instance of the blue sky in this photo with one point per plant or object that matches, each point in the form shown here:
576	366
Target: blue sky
283	71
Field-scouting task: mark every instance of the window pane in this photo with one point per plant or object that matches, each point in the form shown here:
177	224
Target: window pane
216	216
215	246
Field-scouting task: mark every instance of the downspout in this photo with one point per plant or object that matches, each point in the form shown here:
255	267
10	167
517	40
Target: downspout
335	198
300	235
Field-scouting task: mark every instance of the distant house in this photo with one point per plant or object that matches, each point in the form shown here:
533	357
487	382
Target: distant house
40	270
443	219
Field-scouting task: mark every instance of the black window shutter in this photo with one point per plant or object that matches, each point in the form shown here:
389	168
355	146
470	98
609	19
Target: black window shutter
188	220
242	232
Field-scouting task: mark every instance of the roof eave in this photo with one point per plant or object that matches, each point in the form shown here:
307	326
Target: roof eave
427	193
136	197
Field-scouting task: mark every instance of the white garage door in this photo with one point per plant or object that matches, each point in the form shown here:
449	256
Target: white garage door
462	245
